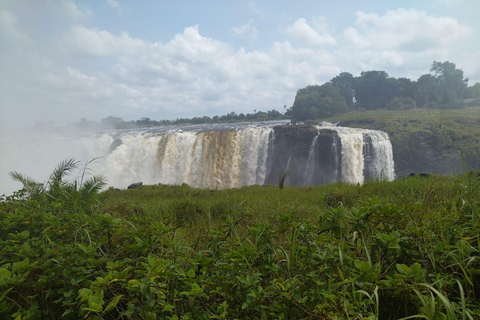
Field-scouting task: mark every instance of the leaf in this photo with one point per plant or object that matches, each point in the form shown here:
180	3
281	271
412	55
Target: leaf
5	293
5	276
85	293
191	273
362	265
195	289
403	269
113	303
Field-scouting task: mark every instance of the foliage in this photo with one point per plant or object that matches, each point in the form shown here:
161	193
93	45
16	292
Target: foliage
407	248
315	102
79	192
402	103
445	88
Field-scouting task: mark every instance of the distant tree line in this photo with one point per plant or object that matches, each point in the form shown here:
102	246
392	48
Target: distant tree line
443	88
112	122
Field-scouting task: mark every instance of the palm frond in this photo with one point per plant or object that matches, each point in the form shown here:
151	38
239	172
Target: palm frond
93	185
25	180
30	185
63	169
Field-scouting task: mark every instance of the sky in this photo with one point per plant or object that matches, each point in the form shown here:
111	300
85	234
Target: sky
64	60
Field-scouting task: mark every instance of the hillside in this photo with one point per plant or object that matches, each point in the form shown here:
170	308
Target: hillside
430	141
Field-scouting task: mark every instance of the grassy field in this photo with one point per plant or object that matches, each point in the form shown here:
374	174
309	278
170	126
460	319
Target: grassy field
384	250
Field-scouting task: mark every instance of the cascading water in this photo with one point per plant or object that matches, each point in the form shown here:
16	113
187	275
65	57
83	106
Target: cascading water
224	155
310	167
225	158
229	157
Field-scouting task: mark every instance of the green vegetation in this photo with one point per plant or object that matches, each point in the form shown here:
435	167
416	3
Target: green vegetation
112	122
445	88
385	250
425	140
315	102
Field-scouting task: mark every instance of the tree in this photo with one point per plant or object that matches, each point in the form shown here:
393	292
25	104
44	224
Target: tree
345	83
473	92
402	103
449	81
313	102
426	91
371	90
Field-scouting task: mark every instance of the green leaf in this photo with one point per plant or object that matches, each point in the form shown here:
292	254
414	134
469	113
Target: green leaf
5	276
113	303
195	289
5	293
19	265
191	273
85	293
362	265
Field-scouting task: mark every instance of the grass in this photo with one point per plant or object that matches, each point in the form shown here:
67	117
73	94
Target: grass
384	250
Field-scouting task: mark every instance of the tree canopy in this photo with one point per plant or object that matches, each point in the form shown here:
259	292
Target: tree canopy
444	87
316	101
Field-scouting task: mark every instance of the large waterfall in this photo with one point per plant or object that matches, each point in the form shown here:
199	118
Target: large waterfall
229	156
215	156
222	158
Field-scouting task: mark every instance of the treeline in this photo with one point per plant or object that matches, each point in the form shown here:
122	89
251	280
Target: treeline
112	122
443	88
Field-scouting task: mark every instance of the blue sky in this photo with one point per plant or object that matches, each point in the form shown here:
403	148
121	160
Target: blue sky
66	60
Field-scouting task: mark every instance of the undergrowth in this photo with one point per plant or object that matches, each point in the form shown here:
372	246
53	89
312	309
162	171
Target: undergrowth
385	250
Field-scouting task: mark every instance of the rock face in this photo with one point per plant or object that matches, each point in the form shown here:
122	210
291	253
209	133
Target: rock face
116	143
309	156
135	185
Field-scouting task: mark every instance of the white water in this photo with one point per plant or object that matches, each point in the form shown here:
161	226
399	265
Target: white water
352	140
310	167
210	159
215	156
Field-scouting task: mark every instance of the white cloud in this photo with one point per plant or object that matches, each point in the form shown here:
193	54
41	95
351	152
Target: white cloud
116	6
405	30
303	32
400	39
83	71
82	40
246	30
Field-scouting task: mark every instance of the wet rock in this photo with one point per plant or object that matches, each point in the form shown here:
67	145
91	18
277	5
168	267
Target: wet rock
135	185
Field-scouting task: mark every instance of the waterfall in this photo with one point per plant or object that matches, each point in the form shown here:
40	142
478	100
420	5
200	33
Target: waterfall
213	156
310	167
219	159
232	156
365	154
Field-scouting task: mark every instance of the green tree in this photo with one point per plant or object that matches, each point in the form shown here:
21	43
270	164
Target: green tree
345	83
449	81
371	90
473	92
313	102
426	90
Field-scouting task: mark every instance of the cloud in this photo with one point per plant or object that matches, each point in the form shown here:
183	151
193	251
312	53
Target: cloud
405	30
116	6
246	30
400	38
82	40
304	33
80	70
